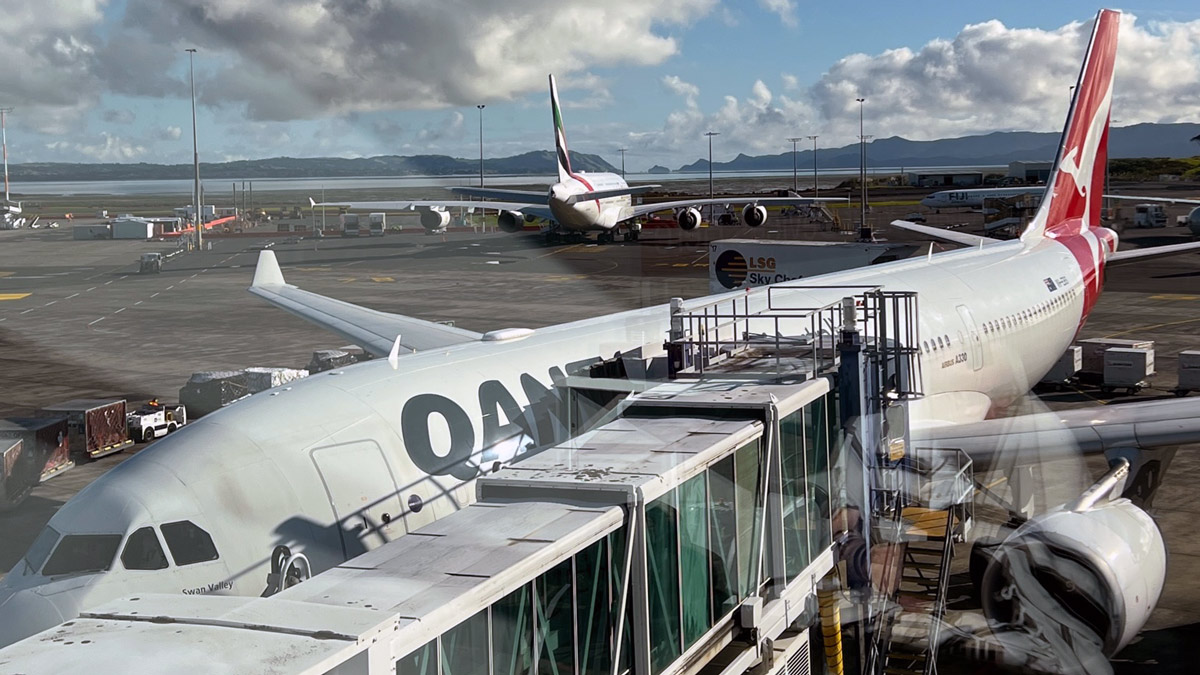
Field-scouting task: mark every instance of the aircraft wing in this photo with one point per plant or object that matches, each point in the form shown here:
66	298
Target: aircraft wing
408	205
1140	254
375	331
1039	437
949	235
643	209
522	196
1162	200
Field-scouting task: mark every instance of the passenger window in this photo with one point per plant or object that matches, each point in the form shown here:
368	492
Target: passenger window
143	552
188	543
81	553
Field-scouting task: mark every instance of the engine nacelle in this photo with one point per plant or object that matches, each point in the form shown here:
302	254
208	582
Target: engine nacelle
1098	571
688	219
434	220
754	215
511	221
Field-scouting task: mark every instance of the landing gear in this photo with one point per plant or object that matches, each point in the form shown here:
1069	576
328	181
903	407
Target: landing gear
605	237
552	237
630	235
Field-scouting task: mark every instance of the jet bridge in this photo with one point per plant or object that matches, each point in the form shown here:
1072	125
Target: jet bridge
691	530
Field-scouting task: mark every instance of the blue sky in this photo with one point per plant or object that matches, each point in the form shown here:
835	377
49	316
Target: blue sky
96	80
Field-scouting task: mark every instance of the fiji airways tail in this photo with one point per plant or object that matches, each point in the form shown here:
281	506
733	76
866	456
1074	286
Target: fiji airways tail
1076	186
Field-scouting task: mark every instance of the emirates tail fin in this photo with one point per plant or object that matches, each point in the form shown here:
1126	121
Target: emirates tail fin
1076	186
560	136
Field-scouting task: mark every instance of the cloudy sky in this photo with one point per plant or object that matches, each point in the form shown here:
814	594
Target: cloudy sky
107	80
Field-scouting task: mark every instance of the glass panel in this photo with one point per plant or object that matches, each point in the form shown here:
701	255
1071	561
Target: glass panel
36	555
421	662
555	621
749	516
143	552
512	634
723	526
78	553
662	561
795	509
616	558
188	543
693	559
593	607
465	647
816	446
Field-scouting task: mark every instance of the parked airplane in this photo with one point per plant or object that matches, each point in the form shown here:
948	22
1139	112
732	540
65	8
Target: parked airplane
974	198
305	476
578	202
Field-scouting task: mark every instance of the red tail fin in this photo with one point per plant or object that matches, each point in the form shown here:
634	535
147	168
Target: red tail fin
1076	186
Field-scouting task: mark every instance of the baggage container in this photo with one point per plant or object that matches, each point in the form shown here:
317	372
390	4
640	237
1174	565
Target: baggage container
17	474
46	441
1067	366
1189	372
261	379
95	427
208	391
1093	352
1127	368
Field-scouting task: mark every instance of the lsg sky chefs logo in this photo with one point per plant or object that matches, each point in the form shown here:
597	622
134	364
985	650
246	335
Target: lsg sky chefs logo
734	269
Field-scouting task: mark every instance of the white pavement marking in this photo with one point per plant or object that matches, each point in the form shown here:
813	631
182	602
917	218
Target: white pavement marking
119	311
49	303
70	296
108	282
3	318
193	276
154	295
137	303
98	320
29	310
91	289
125	277
169	287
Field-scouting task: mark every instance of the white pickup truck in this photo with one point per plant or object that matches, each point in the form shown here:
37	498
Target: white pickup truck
155	420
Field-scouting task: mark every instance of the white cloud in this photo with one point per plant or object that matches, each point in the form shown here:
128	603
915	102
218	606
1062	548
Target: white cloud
786	9
170	133
790	82
110	149
677	86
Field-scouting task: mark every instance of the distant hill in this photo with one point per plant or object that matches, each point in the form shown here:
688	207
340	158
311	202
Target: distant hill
540	162
999	148
658	168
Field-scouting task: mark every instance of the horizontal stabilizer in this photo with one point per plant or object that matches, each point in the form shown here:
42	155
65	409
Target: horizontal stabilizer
377	332
1140	254
522	196
1154	200
948	235
605	194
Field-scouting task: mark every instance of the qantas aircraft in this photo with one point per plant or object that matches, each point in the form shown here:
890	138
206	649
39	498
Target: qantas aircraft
578	202
292	481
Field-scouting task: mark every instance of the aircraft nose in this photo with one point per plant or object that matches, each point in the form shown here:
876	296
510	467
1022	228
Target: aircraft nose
23	613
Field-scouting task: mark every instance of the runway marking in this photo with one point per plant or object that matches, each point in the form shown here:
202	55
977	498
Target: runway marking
49	303
1174	296
170	287
119	311
29	310
155	295
193	276
13	296
108	282
98	320
346	280
1152	327
138	303
382	280
91	289
182	281
70	296
557	251
679	265
125	277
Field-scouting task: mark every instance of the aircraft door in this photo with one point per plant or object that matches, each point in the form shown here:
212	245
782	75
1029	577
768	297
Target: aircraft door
974	342
363	494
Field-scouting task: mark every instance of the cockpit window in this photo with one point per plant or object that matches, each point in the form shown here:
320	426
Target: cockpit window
79	553
41	548
188	543
143	552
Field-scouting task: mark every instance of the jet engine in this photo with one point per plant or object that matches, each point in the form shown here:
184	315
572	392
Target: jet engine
1093	573
754	215
434	220
511	221
688	219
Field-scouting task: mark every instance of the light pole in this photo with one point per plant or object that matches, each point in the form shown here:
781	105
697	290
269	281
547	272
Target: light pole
794	141
4	142
862	169
816	192
199	216
710	134
481	107
622	151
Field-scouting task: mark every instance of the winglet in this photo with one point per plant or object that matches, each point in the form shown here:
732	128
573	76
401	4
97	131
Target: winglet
267	273
312	203
394	355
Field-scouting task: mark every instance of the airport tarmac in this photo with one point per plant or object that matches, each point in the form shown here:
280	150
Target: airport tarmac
77	320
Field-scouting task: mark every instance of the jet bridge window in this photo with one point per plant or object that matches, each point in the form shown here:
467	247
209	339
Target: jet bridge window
82	553
143	552
188	543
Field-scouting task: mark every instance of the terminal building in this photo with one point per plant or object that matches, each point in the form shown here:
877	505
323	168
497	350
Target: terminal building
689	529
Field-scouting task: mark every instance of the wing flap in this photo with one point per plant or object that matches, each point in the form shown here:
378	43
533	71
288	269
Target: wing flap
523	196
375	331
643	209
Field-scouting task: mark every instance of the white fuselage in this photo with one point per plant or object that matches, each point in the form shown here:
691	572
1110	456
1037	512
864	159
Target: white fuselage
317	464
974	198
591	215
